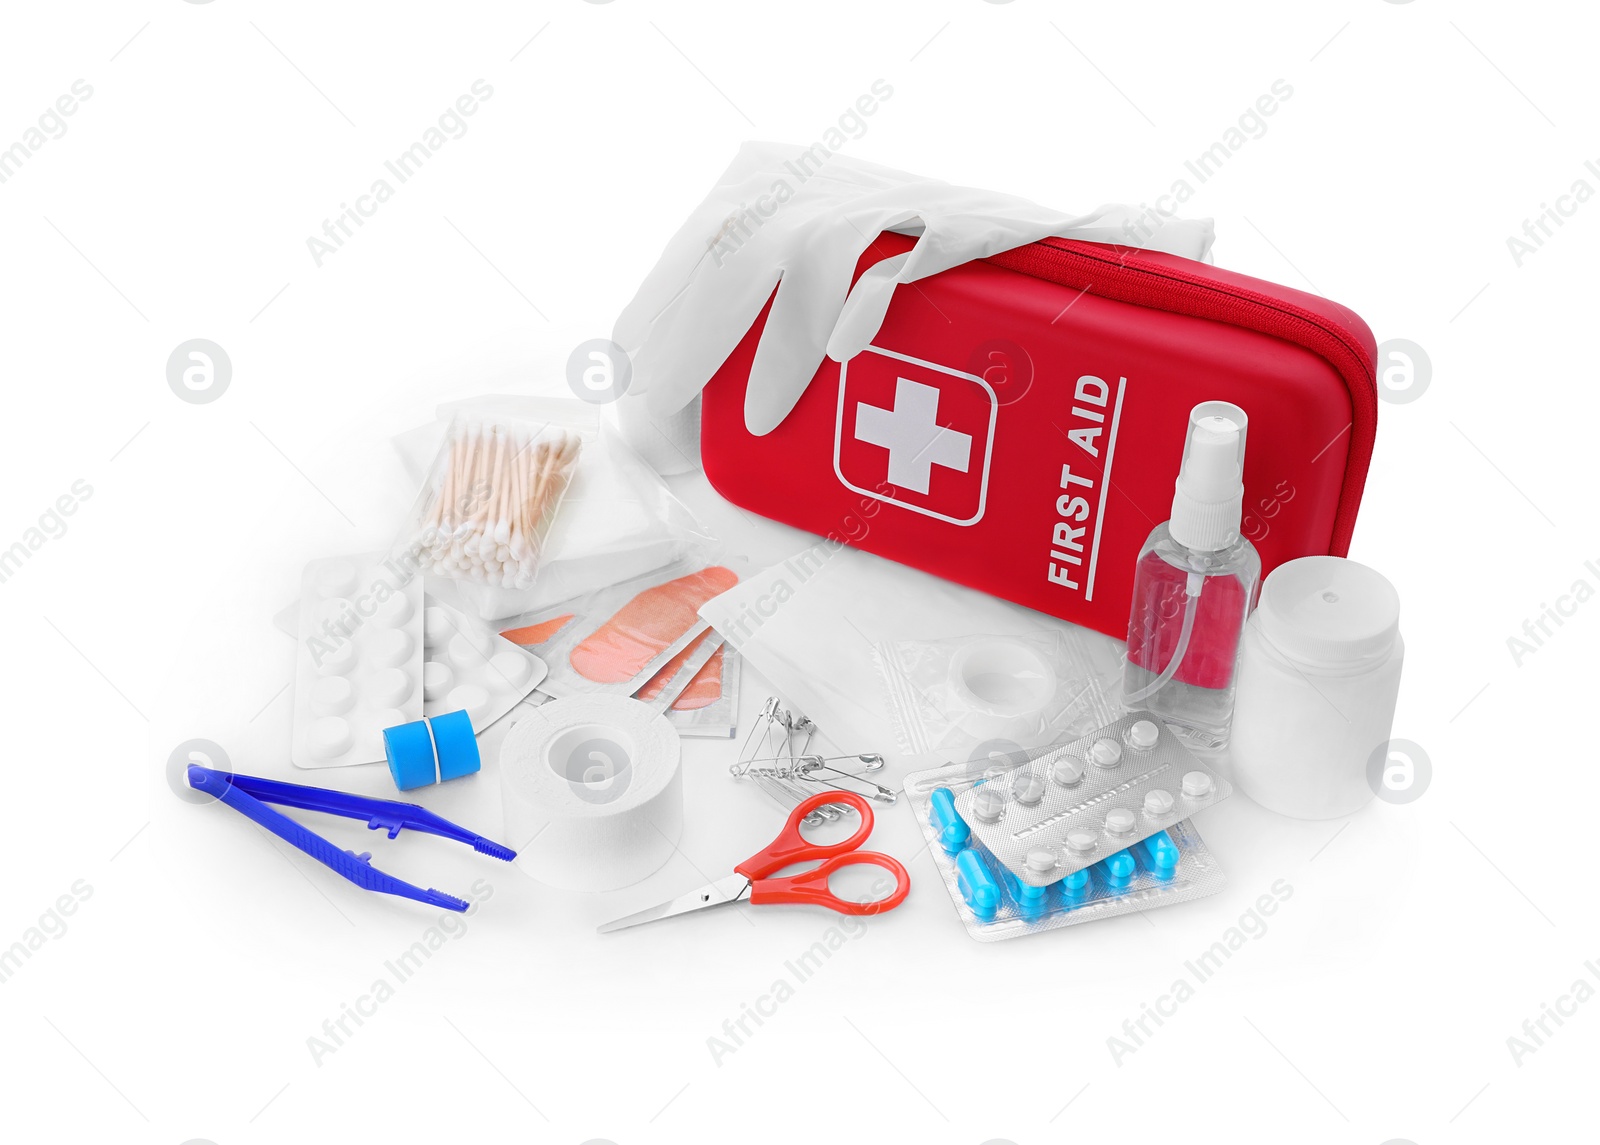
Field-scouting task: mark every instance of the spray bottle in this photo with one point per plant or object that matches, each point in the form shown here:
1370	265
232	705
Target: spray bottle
1194	586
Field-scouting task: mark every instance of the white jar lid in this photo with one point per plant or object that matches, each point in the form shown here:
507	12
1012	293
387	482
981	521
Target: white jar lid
1328	610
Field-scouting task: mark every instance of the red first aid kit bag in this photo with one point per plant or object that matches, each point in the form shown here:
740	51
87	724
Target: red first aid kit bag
1018	422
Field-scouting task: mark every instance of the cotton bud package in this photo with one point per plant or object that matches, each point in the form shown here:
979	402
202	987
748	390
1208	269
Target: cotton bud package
488	500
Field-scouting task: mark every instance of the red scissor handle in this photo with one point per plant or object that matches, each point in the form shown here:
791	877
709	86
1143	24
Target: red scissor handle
812	886
792	847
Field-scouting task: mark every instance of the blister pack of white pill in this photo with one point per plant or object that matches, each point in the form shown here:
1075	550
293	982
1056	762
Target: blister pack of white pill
1077	803
358	659
470	667
1169	867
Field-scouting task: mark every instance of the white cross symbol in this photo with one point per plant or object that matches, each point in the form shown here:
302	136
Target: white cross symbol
913	436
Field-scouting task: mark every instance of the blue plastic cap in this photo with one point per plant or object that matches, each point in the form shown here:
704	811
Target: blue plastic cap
458	747
410	750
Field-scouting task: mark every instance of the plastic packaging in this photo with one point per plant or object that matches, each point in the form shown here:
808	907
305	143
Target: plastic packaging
809	624
1194	584
618	519
1074	805
488	500
708	706
673	680
1170	867
358	659
1319	678
953	695
622	635
469	667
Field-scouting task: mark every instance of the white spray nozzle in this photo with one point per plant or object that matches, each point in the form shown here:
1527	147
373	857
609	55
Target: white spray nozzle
1209	500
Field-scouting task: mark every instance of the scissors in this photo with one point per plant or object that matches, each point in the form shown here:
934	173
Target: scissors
807	887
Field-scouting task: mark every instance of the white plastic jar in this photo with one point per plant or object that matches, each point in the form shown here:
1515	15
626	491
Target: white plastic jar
1319	675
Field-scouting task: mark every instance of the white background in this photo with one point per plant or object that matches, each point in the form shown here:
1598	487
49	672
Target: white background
178	1001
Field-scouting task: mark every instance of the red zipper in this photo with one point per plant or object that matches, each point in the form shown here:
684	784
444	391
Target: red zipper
1116	272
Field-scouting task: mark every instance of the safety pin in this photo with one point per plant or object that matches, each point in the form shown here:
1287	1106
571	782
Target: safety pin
881	794
884	795
872	761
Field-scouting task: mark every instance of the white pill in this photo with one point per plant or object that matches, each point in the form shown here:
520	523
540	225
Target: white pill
391	687
328	737
511	666
469	698
332	696
1106	753
436	679
1196	784
987	804
463	653
335	661
390	647
1080	841
1027	789
335	578
1158	803
1143	735
1119	821
1041	860
396	610
437	627
1068	771
486	641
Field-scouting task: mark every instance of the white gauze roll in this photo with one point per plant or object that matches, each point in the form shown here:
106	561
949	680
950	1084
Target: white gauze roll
593	792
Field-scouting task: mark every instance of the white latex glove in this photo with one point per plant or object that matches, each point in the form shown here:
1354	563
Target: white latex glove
722	266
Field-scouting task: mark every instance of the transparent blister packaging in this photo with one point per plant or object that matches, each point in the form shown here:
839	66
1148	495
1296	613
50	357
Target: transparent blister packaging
1073	805
488	502
1167	868
954	694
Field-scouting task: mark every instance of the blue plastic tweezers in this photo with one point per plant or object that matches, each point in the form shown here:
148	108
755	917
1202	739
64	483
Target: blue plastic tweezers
250	794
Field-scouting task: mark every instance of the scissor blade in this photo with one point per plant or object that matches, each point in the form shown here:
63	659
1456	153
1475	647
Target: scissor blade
712	894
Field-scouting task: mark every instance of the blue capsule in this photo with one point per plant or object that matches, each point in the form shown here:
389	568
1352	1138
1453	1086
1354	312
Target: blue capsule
1117	870
977	884
950	828
1158	854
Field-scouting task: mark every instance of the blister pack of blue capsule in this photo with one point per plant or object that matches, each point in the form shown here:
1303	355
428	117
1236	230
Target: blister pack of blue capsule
1170	866
1076	804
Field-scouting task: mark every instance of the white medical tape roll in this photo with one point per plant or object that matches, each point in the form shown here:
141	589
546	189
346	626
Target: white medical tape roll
593	792
1000	689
